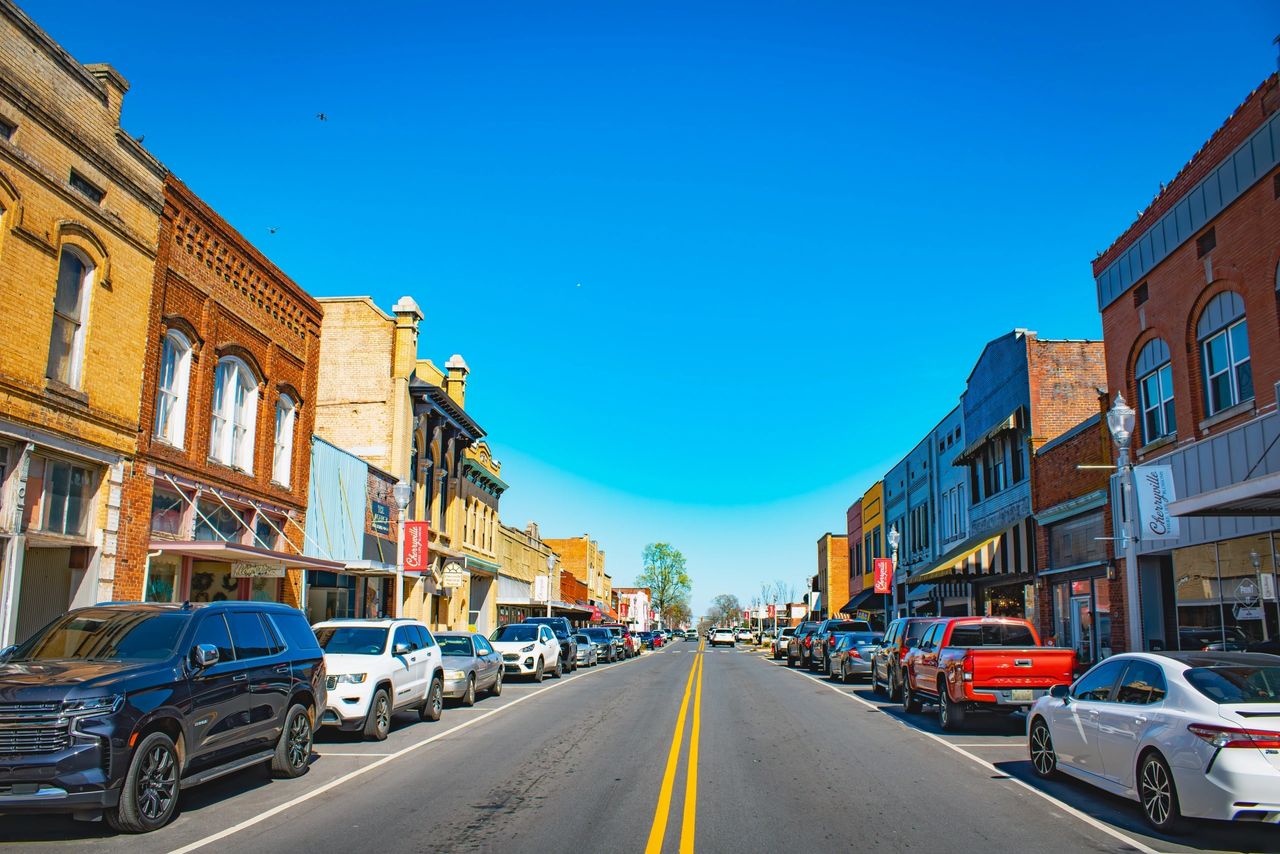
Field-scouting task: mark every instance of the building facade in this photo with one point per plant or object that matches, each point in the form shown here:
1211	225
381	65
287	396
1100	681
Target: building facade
481	488
585	561
874	543
80	204
215	506
853	537
635	607
833	572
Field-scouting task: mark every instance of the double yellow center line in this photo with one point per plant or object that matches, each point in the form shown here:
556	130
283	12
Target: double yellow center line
660	816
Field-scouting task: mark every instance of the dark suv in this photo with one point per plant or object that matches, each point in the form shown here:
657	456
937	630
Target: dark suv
824	640
112	710
564	632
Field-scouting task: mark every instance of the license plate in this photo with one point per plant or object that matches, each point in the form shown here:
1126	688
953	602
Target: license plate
1022	694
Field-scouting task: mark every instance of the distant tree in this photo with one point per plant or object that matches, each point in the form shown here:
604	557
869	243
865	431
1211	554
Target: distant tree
668	581
679	614
725	610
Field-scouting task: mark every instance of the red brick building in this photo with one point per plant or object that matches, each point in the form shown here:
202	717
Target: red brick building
1188	296
214	505
853	524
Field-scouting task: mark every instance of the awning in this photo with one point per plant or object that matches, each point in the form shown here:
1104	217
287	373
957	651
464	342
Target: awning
920	591
1010	423
1259	496
372	568
239	553
859	600
483	567
954	564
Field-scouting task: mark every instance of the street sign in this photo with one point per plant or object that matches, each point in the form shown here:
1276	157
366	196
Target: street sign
541	589
1246	613
883	568
381	514
415	547
1155	490
452	576
257	570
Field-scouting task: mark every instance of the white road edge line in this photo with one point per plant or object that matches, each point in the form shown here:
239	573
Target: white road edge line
373	755
1070	810
390	757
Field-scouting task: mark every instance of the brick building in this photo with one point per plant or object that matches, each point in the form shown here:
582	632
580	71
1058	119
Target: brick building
833	573
853	538
215	506
584	559
1188	295
80	205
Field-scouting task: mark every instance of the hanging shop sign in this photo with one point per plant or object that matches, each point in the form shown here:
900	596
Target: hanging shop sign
1155	489
415	547
453	575
257	570
883	568
381	514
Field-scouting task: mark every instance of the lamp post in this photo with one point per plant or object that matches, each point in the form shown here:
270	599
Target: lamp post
401	492
1120	422
894	539
551	564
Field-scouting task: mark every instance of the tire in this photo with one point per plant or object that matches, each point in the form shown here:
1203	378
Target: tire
950	716
149	797
791	662
877	687
558	671
293	750
469	698
538	674
1044	759
844	675
377	724
433	704
1158	794
910	702
496	690
831	672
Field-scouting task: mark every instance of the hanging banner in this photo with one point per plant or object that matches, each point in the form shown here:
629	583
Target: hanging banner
541	588
772	612
415	547
1155	489
883	568
798	611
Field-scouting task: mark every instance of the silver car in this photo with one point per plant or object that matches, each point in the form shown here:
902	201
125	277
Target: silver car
779	644
470	664
588	652
852	655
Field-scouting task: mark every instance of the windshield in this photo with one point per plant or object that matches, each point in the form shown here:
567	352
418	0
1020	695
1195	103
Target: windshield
864	637
454	645
849	626
598	635
581	639
991	634
1238	684
352	640
515	634
103	634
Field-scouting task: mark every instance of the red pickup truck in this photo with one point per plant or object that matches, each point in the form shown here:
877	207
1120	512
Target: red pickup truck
992	664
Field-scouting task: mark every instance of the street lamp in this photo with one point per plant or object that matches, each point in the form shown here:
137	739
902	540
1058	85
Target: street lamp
894	539
401	492
1120	422
551	564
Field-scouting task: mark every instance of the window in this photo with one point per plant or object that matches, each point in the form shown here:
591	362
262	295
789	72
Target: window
1143	683
86	188
68	489
248	635
1224	351
265	535
991	634
1140	294
235	406
222	524
1077	541
7	128
1097	683
213	631
1155	388
408	636
66	343
171	393
166	513
1018	467
1205	243
282	457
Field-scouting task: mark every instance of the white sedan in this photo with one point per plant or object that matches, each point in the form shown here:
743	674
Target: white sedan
1191	734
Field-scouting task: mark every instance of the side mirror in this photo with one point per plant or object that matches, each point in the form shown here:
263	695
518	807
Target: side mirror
7	651
1061	692
400	649
204	655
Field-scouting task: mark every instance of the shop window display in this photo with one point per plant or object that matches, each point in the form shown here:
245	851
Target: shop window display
1226	593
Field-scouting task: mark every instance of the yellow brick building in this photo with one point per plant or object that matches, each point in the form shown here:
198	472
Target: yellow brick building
874	543
833	573
583	557
80	204
480	490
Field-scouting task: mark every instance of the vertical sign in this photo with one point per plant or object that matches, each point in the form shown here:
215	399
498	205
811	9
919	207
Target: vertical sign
381	517
541	589
883	568
1155	491
773	612
415	547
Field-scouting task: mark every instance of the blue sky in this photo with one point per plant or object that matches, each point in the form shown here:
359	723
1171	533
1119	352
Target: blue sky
715	266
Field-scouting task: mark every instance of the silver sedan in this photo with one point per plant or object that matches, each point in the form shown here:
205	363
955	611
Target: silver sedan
470	665
852	655
588	652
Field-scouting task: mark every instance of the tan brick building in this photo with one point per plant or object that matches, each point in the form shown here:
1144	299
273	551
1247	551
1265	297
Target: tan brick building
833	573
80	202
215	506
583	557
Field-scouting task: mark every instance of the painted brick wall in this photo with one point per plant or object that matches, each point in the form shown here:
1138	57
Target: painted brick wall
355	406
853	543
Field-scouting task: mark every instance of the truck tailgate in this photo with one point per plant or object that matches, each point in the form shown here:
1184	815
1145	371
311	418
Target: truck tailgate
1031	667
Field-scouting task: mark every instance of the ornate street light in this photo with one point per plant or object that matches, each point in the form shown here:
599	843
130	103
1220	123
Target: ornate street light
894	539
1120	422
402	492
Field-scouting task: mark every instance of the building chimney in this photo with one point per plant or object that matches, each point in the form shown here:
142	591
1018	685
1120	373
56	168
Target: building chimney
405	338
532	530
456	383
115	84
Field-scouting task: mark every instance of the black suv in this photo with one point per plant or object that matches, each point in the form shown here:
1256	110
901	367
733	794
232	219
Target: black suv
564	632
112	710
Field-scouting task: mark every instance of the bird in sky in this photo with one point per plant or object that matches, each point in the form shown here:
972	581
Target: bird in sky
322	117
271	229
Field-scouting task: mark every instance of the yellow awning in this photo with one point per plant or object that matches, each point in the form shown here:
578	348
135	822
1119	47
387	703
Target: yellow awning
950	565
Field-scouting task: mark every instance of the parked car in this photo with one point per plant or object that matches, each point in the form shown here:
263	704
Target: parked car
824	639
619	632
779	645
744	635
1186	734
647	639
636	641
801	643
588	652
852	654
723	636
97	702
886	669
564	632
991	664
609	648
528	649
470	665
377	668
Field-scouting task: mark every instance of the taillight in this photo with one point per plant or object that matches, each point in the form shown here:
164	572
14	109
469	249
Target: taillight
808	642
1225	736
831	641
853	653
968	668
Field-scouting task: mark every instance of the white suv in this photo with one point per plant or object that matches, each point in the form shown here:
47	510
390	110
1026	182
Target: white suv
376	668
723	636
528	649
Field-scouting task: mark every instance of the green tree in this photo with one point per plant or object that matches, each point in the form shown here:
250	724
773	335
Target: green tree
668	581
725	610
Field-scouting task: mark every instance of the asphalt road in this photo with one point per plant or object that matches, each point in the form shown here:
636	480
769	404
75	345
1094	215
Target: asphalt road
785	761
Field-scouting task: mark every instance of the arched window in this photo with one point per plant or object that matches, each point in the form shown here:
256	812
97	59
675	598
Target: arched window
235	408
70	304
171	391
1224	352
282	457
1155	388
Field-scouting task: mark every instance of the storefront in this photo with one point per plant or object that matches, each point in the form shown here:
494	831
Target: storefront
1081	615
1225	593
359	592
206	571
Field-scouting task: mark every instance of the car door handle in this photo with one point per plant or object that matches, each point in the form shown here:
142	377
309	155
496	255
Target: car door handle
1140	720
240	677
282	668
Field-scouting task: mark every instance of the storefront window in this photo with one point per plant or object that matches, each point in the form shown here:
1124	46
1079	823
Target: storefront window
1226	593
264	590
221	524
1082	617
265	535
212	582
1077	541
166	513
162	580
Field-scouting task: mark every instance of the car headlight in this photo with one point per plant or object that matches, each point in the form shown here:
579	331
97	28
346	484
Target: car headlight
93	705
454	674
352	678
528	648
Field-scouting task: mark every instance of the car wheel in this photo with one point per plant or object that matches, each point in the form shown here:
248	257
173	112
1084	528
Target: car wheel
876	688
469	698
377	725
150	793
433	706
496	690
293	750
895	687
1040	744
558	670
911	703
538	672
791	662
1158	794
950	716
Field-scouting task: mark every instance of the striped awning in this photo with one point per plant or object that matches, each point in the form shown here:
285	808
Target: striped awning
1011	552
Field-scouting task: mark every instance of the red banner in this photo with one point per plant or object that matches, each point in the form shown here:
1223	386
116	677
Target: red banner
773	612
883	567
415	547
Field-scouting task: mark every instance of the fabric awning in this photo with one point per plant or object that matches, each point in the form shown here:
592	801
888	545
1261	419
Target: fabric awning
953	564
477	565
1010	423
920	591
859	600
239	553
